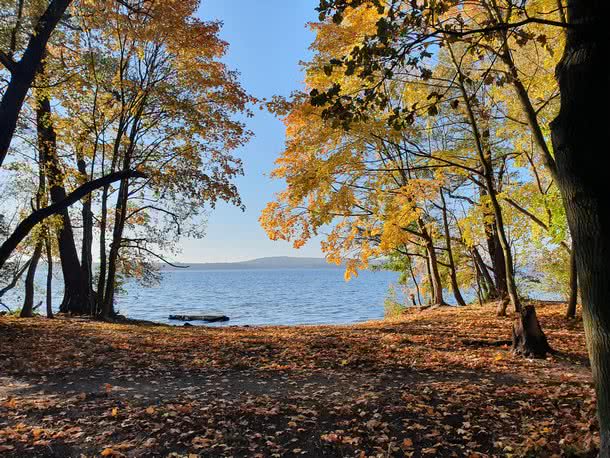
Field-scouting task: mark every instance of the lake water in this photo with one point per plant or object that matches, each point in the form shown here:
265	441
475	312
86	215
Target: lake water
253	297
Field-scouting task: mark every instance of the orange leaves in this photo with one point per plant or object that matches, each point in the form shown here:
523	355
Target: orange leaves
427	384
150	410
339	438
10	403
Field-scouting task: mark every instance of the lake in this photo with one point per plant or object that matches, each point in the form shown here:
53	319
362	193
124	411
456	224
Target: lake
252	297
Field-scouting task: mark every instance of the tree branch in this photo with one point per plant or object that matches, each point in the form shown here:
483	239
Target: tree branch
24	228
7	61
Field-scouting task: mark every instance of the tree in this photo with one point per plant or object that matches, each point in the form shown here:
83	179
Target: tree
577	131
137	100
578	142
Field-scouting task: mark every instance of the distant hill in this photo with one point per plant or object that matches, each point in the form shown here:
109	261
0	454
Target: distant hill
277	262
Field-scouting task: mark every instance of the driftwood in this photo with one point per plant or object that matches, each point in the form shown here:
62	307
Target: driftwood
208	318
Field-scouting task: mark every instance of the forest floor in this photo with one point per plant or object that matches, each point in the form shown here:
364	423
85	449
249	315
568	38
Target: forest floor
434	383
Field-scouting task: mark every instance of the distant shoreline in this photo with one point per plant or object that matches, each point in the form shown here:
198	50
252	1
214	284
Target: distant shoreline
278	262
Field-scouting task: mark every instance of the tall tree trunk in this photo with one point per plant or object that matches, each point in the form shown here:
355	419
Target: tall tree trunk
436	285
528	337
496	255
87	242
27	311
115	246
415	282
120	214
452	270
480	286
489	287
48	247
25	227
573	299
101	280
580	142
76	293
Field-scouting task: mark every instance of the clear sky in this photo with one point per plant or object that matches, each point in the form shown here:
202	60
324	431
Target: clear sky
268	39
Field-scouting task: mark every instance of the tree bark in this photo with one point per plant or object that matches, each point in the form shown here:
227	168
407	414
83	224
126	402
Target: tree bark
415	282
580	141
76	292
436	285
101	280
489	286
452	270
27	311
120	217
87	242
496	254
528	338
573	299
24	72
115	246
49	254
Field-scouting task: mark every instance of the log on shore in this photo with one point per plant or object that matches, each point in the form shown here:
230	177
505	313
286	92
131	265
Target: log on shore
207	318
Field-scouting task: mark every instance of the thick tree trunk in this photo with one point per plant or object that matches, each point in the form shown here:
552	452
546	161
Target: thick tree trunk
573	299
24	72
27	311
76	292
528	338
580	141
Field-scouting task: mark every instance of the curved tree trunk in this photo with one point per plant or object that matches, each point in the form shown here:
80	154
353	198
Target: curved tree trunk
580	140
25	227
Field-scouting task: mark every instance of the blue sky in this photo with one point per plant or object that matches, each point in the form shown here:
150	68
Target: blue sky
268	39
